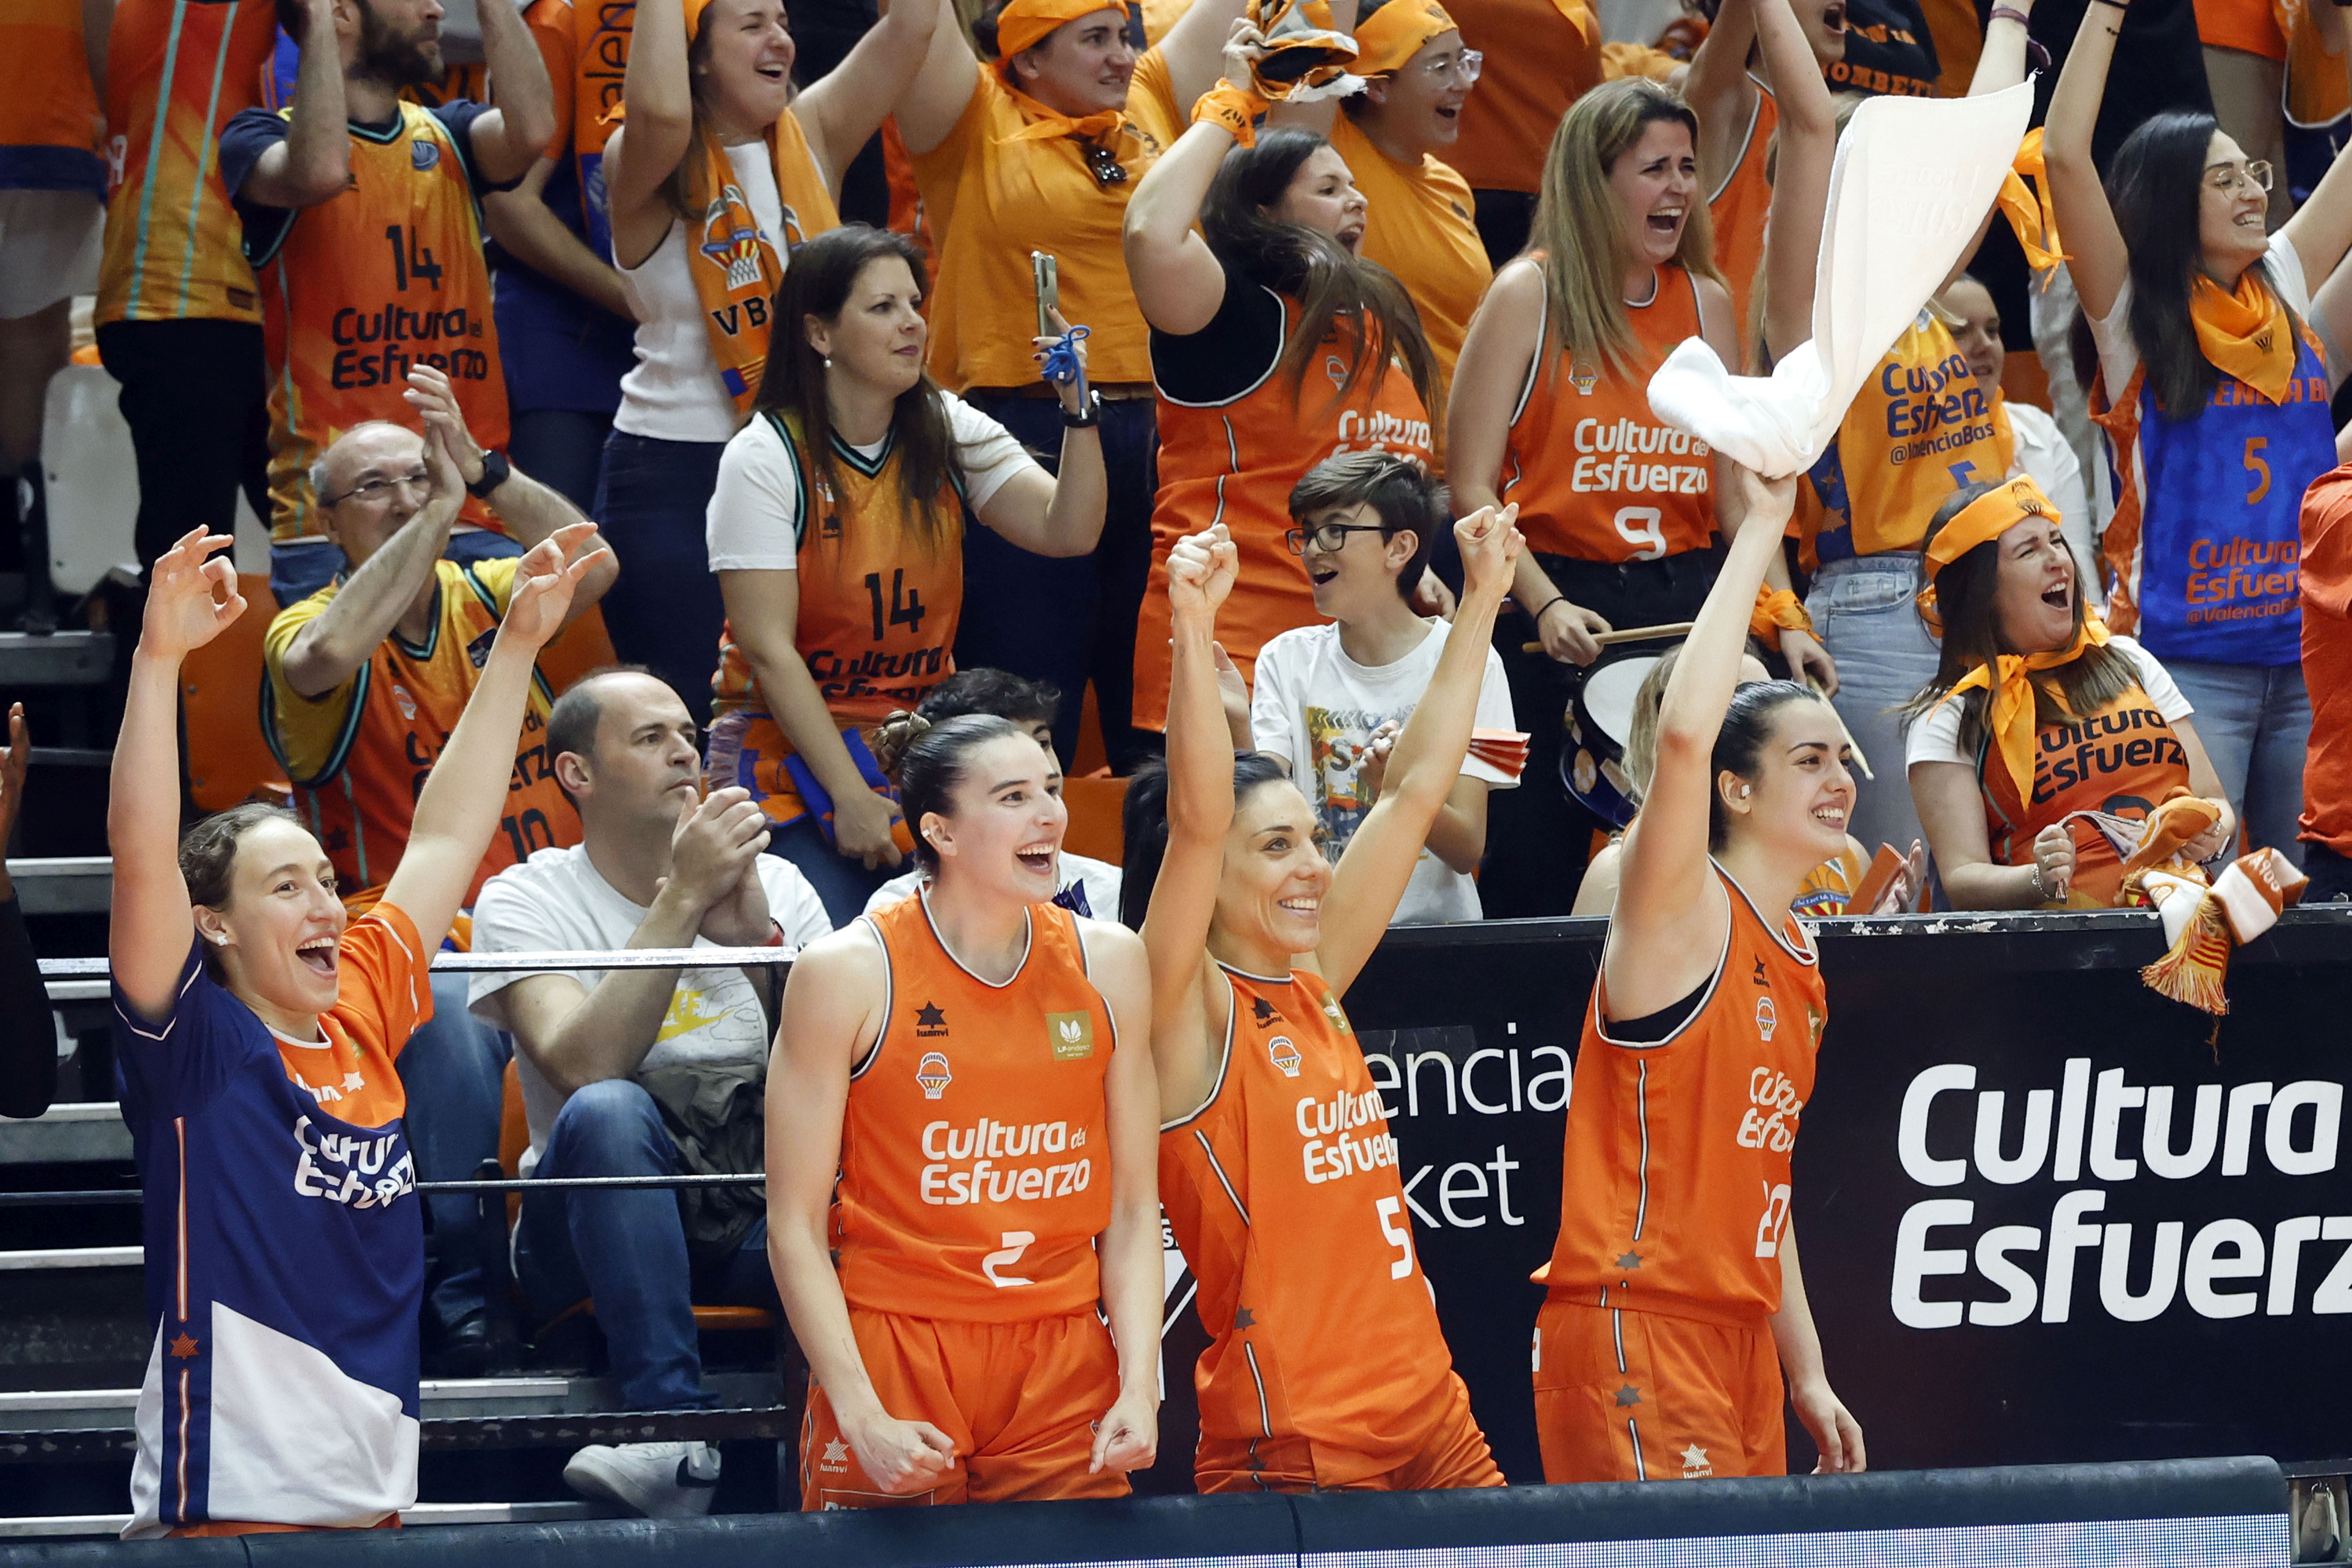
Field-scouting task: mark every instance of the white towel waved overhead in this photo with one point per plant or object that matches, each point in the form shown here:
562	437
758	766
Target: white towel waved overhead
1913	178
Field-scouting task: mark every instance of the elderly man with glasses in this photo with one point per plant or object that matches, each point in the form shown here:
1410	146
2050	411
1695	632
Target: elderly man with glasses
365	682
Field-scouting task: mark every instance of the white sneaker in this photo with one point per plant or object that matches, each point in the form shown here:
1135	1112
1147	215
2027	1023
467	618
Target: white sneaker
659	1481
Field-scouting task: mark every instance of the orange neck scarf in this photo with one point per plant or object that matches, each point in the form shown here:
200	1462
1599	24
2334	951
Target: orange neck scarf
2246	334
735	268
2033	220
1042	124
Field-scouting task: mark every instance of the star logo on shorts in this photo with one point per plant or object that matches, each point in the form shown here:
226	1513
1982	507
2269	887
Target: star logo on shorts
183	1349
353	1082
1629	1260
1629	1394
836	1456
1695	1463
1244	1318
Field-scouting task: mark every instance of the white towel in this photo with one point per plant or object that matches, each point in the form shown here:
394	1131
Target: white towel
1913	178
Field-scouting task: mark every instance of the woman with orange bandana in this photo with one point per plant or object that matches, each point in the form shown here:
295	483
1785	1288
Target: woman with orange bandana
2213	391
2043	737
1274	346
1040	151
721	168
1420	225
1551	410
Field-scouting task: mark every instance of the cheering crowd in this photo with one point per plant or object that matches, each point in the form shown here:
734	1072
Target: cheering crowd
1267	382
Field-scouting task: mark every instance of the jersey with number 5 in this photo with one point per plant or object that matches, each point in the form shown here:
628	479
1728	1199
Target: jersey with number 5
975	1165
1285	1194
1595	474
1674	1174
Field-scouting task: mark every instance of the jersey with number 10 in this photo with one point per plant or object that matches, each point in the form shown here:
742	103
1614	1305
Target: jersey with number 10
1284	1194
363	287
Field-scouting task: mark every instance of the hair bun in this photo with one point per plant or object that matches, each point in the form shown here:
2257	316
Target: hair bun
897	733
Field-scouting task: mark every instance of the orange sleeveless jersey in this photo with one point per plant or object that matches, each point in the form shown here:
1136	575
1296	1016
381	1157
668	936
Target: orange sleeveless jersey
50	130
975	1160
177	72
1740	206
358	290
1918	430
991	200
359	755
1235	463
2124	760
1596	475
1283	1191
1418	225
1675	1176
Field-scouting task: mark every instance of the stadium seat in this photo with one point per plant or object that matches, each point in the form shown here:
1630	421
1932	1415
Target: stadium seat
90	476
579	647
2023	379
220	692
1095	805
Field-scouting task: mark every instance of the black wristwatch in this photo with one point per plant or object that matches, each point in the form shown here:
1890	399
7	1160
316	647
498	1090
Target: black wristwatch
495	471
1087	417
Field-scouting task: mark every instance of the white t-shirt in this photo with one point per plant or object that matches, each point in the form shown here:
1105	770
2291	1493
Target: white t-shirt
1937	738
2119	355
1316	708
1099	878
673	393
556	901
2044	456
751	526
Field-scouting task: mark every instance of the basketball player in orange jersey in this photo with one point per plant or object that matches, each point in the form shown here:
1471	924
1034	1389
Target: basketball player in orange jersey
1326	1368
961	1161
361	225
1676	1298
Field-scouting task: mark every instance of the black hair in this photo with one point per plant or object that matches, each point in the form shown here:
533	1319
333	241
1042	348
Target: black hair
208	856
997	691
1143	825
1740	745
1336	292
1400	492
926	761
572	724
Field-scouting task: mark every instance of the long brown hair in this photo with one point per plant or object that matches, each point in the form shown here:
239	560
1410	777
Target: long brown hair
1333	289
1580	227
817	283
1964	602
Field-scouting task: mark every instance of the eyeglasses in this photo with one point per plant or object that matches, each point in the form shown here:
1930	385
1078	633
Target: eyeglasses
1465	65
1329	537
1105	167
373	491
2224	178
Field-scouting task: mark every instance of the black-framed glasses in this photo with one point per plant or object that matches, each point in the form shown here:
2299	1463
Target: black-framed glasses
1327	537
373	491
1105	166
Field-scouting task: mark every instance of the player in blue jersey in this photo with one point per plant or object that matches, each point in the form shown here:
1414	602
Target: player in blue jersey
257	1030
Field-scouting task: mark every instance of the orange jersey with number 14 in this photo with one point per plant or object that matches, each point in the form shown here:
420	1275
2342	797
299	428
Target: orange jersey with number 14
1674	1178
975	1155
359	290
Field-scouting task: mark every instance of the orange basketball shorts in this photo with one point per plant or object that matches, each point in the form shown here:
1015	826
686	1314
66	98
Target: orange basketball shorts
1020	1400
1641	1397
1431	1450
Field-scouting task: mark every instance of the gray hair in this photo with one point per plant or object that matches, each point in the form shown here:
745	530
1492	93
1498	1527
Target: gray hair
319	467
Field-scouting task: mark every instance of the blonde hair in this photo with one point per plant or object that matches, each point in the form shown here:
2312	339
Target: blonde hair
1579	229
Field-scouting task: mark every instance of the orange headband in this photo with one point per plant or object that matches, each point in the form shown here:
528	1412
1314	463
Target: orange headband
1396	32
1024	23
1981	521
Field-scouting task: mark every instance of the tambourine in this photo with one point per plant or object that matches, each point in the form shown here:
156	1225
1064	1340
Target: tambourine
1598	720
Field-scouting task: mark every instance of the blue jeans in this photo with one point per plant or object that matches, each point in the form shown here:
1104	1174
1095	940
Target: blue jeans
2255	722
563	449
625	1247
298	569
1863	613
1072	620
663	611
452	1069
841	883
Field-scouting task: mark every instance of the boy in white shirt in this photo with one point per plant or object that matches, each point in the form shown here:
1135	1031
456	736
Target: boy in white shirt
1329	699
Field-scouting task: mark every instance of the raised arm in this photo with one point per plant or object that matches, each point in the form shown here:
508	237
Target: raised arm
507	139
2096	256
941	90
1194	46
1201	572
832	1013
843	110
1800	184
1134	1287
458	809
1427	762
150	923
527	229
1719	91
1669	923
313	164
642	155
1178	280
2321	228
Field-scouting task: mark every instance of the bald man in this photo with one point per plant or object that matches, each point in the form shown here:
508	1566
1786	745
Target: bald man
366	679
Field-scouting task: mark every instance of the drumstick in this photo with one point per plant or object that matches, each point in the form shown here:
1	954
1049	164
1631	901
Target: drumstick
1631	634
1851	745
